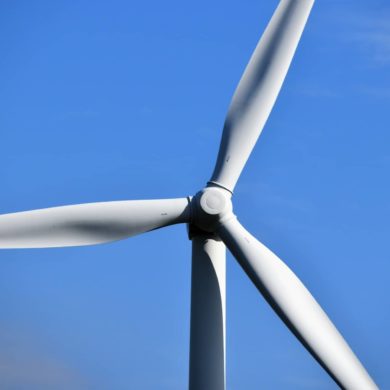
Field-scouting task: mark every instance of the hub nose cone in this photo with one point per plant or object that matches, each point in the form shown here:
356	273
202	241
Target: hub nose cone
209	206
213	202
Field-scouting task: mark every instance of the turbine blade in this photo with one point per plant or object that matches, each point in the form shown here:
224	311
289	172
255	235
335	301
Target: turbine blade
294	304
89	224
258	89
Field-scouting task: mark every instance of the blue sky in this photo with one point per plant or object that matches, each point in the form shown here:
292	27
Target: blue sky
126	100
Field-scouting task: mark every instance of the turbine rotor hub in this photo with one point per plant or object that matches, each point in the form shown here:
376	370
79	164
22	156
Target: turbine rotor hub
209	207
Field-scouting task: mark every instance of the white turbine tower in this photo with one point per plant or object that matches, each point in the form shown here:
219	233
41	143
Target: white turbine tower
212	226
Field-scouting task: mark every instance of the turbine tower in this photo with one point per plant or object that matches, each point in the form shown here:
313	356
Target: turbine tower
213	226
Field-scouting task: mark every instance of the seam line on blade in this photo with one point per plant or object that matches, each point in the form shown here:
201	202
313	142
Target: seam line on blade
212	183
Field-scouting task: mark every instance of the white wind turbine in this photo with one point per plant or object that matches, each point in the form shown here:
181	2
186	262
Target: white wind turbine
212	226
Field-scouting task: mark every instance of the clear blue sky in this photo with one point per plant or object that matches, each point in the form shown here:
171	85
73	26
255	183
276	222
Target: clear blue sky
112	100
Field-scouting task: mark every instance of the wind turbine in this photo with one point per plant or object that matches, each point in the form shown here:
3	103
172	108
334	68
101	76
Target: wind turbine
213	226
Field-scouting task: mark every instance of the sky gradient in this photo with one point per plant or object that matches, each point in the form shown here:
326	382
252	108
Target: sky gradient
126	100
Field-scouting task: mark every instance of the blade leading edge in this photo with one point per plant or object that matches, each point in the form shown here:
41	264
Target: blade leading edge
258	89
90	223
294	304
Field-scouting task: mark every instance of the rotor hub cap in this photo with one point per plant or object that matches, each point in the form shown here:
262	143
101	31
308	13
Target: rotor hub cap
213	202
209	206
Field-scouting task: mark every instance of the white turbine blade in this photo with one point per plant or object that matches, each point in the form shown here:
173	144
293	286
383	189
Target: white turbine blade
258	89
296	307
89	224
